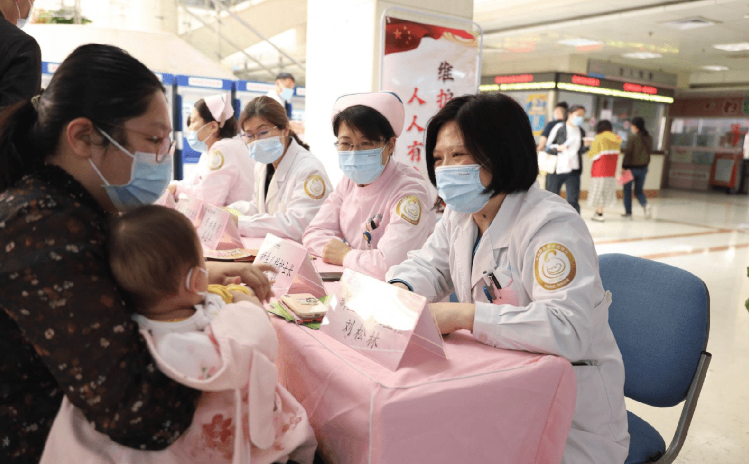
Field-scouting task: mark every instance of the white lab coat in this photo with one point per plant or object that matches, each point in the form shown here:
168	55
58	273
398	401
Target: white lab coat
224	174
296	192
552	302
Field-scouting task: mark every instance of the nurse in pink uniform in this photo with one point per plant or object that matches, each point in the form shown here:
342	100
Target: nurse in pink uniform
224	173
381	209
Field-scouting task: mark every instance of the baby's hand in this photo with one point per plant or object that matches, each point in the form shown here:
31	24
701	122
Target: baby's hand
240	296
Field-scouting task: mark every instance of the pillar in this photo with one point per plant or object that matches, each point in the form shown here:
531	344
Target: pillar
343	56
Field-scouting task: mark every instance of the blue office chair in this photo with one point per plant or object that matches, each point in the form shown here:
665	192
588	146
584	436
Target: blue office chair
660	317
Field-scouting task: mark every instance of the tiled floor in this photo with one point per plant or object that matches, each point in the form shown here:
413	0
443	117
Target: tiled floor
697	232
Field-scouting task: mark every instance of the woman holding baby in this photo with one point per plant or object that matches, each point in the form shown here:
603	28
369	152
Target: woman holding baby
96	143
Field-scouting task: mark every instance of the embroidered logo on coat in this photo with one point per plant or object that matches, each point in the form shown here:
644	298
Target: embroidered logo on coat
314	186
409	208
217	160
555	266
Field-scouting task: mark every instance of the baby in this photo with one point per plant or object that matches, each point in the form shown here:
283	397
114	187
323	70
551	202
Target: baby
213	338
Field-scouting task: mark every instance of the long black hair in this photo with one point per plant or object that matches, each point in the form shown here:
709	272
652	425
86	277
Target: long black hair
100	82
639	123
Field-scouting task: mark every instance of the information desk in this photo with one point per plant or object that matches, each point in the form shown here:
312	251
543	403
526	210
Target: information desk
482	404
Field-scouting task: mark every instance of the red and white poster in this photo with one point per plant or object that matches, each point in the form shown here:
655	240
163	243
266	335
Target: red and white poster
427	65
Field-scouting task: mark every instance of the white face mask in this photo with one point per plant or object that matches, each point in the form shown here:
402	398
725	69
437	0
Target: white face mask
189	275
22	21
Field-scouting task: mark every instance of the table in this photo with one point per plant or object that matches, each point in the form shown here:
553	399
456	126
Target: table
481	405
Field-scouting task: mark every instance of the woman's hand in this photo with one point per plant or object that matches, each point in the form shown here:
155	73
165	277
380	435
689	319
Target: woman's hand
172	189
453	316
234	273
335	251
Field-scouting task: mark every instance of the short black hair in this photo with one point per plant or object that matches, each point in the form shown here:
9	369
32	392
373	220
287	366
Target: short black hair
603	126
285	75
576	107
367	120
562	105
150	250
497	134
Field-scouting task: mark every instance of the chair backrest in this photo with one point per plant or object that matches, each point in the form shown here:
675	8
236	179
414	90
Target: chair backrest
660	317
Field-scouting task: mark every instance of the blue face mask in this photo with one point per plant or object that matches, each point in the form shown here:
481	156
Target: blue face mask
287	93
148	179
361	166
195	143
267	150
577	121
461	188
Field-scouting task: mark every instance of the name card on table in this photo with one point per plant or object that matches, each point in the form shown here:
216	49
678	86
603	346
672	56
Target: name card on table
295	271
216	230
380	321
190	207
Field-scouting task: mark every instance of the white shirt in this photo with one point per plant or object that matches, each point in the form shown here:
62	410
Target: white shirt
296	192
552	302
186	345
567	160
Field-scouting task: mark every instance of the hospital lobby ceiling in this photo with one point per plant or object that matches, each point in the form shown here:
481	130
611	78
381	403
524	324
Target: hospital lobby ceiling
704	42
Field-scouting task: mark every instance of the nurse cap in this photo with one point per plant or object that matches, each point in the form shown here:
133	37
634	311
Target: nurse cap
387	104
220	108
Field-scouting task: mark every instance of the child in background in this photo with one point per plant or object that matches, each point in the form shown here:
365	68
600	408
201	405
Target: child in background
604	152
226	350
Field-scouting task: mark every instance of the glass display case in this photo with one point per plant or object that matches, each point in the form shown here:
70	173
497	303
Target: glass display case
706	152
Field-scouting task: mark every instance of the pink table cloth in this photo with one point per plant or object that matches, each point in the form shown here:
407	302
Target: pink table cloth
481	405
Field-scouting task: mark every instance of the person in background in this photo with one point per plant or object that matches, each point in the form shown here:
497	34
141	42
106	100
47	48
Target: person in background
381	210
604	151
225	170
283	91
20	55
522	264
290	182
636	159
218	340
566	142
560	115
94	145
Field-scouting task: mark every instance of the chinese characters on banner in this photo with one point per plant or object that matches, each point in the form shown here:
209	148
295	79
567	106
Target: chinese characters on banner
448	62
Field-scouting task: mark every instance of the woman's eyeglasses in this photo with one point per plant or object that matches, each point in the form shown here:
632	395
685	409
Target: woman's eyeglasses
165	145
364	145
261	134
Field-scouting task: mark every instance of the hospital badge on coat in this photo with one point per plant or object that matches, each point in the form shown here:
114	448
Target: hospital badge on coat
217	160
314	186
409	208
555	266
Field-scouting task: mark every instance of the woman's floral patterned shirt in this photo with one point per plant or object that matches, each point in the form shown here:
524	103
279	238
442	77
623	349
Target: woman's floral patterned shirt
65	329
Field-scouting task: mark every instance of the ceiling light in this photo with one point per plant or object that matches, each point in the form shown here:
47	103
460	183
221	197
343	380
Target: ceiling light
579	42
714	67
689	23
736	47
642	55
